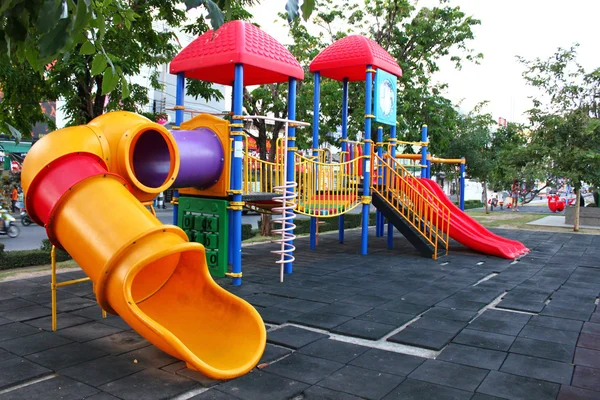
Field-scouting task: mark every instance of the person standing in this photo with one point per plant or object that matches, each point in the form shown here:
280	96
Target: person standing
515	189
14	197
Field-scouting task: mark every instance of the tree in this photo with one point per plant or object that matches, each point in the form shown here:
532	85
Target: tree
565	116
474	142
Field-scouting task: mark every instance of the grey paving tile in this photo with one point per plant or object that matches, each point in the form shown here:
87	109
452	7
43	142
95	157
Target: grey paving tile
515	387
119	343
33	343
15	371
549	335
502	322
213	394
412	389
14	304
448	374
543	349
538	368
472	356
293	337
568	313
148	356
25	313
101	396
303	368
385	317
63	320
591	328
16	330
5	355
303	306
86	332
452	314
461	304
556	323
149	384
259	385
333	350
102	370
273	352
362	329
365	300
320	393
388	362
60	387
345	309
276	315
438	324
425	338
589	341
318	319
404	307
362	382
65	356
486	340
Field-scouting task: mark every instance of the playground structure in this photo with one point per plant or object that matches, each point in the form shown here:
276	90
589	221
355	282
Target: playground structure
157	277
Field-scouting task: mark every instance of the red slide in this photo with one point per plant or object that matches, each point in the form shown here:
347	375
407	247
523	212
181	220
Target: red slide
471	233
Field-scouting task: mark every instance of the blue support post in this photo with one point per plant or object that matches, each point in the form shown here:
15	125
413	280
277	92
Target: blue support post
230	211
315	146
428	167
291	168
367	160
378	215
344	144
236	181
424	152
180	103
462	184
390	236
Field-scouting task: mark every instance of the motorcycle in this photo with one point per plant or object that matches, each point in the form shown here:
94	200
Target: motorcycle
25	218
8	227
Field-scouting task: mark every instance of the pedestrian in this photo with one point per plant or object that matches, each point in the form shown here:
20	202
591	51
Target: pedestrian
515	189
14	197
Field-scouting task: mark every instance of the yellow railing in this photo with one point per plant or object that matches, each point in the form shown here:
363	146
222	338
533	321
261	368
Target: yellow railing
411	199
325	189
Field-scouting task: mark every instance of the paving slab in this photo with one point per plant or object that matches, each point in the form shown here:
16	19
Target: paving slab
513	387
502	322
303	368
333	350
549	335
425	338
86	332
16	371
486	340
60	387
271	353
119	343
388	362
321	393
556	323
449	374
473	356
543	349
574	393
293	337
149	384
16	330
361	329
318	319
66	356
102	370
345	309
412	389
591	328
538	368
260	385
589	341
213	394
35	343
362	382
451	314
63	320
438	324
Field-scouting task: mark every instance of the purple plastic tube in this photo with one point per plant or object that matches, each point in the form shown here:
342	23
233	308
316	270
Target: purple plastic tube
201	158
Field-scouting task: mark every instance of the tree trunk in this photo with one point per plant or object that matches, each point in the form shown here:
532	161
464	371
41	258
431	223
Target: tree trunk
577	207
485	199
265	225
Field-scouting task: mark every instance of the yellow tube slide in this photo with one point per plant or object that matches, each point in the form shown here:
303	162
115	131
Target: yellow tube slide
82	184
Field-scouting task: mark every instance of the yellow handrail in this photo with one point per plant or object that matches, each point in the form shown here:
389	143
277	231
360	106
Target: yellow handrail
326	189
413	201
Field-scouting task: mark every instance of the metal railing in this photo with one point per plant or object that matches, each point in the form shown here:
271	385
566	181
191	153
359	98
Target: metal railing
413	201
325	189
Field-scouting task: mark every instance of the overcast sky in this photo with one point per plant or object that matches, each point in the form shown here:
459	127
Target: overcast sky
529	28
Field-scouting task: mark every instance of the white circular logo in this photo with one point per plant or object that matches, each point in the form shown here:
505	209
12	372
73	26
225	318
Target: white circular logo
387	97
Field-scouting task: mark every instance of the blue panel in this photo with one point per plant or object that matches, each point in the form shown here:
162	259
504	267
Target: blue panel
386	97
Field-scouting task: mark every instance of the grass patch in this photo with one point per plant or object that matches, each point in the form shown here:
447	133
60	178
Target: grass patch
505	220
33	271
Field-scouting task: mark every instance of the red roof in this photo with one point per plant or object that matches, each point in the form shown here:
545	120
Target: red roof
212	58
349	57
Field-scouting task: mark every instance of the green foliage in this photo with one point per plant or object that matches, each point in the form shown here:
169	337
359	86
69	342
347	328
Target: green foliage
30	258
470	204
565	140
247	232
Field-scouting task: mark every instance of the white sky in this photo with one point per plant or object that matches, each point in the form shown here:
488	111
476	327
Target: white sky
530	28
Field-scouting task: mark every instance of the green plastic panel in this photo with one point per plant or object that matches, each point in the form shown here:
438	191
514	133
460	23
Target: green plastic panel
206	221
